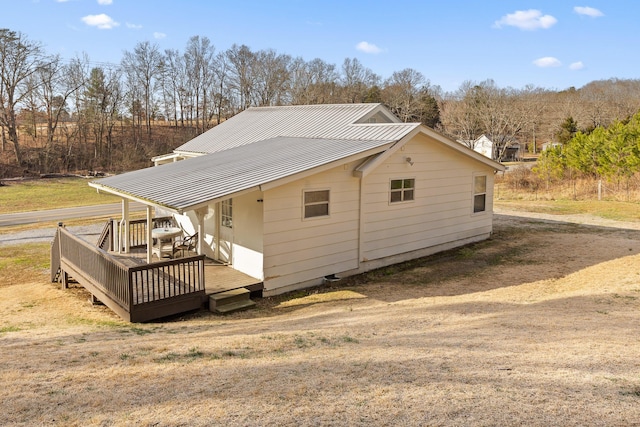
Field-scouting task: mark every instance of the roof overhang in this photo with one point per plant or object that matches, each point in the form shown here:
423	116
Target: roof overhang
196	182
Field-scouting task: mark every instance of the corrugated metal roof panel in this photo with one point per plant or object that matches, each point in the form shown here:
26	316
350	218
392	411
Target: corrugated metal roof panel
333	121
195	181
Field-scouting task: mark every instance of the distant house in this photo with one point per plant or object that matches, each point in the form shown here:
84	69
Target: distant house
550	144
297	194
499	151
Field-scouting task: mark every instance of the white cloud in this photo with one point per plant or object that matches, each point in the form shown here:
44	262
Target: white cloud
133	26
588	11
531	19
368	47
102	21
105	2
576	66
158	35
547	61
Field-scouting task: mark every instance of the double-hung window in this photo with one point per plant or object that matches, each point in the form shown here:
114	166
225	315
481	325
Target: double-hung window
479	193
402	190
226	213
316	203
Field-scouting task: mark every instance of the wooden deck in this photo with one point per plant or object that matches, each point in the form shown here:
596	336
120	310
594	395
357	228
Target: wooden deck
136	290
218	277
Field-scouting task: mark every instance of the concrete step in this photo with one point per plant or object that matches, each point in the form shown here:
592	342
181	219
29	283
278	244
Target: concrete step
229	301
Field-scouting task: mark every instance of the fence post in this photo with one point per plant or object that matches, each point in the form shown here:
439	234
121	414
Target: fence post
599	189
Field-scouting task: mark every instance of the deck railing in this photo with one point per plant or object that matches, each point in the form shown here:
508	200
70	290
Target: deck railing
106	236
138	229
55	258
98	267
138	293
167	279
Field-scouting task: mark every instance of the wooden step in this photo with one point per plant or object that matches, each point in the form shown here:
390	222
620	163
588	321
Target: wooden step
230	301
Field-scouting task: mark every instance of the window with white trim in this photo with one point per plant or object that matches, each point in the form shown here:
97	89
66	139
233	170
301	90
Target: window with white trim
226	213
316	203
401	190
479	193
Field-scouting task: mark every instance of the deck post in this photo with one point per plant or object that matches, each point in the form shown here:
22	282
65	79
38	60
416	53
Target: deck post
200	217
149	235
65	280
125	224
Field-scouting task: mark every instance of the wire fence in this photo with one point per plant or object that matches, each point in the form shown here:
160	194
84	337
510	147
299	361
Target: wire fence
522	183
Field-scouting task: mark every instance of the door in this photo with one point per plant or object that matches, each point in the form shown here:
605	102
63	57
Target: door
225	239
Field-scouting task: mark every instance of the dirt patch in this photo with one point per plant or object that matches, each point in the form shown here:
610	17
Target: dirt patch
536	326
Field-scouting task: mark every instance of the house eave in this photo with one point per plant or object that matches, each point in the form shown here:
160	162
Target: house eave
104	189
301	175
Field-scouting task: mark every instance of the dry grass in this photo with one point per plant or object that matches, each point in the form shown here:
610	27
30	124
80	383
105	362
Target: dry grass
537	326
39	194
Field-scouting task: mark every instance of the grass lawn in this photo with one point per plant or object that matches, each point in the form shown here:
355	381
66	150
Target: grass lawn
618	211
537	326
42	194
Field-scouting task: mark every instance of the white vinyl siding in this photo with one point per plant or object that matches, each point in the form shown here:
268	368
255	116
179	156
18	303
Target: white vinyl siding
440	212
298	250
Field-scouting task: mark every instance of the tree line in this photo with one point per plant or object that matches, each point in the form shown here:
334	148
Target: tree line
61	115
611	153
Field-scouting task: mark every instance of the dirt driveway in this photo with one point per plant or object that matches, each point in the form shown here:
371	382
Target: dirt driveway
538	326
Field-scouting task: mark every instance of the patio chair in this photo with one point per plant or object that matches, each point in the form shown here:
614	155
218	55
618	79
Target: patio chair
186	244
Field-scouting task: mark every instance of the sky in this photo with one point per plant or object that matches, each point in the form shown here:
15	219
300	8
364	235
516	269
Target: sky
552	44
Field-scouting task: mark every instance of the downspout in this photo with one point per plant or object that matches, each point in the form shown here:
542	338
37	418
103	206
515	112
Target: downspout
360	221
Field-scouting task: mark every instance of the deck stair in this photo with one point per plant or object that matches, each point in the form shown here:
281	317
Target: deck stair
230	301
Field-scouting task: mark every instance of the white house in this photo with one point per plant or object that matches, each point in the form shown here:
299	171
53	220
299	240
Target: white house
500	151
485	146
292	195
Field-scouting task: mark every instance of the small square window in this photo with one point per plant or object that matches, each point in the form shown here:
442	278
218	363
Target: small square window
316	203
401	190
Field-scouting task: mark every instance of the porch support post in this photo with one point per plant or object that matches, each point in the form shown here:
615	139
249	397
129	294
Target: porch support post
200	217
149	237
125	224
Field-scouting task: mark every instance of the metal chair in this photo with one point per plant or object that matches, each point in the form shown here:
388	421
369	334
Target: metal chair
186	244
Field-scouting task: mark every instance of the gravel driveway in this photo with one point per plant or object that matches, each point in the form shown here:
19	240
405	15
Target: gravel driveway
41	235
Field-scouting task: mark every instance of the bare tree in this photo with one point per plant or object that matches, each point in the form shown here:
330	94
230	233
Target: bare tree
271	78
356	80
172	81
58	82
199	61
409	96
241	62
143	67
313	82
20	58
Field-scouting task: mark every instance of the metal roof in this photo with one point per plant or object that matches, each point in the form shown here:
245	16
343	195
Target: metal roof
329	121
194	182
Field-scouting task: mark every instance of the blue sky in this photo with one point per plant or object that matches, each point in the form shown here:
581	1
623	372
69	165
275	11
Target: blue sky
553	44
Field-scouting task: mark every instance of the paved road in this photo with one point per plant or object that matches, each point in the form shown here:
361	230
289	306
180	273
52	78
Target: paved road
41	235
56	215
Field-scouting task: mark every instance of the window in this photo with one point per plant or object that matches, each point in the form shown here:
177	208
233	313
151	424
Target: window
401	190
479	193
226	213
316	203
